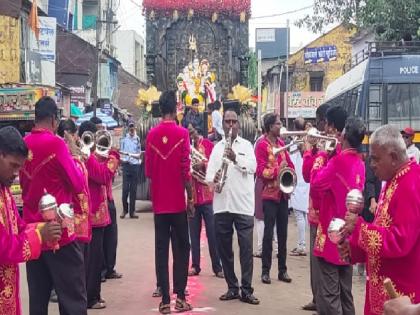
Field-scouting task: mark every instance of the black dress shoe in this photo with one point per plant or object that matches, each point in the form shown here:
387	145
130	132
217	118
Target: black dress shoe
229	295
113	275
250	299
122	216
265	278
285	277
103	279
134	216
311	306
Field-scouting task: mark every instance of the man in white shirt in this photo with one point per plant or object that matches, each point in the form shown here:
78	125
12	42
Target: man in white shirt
299	200
234	206
412	151
217	122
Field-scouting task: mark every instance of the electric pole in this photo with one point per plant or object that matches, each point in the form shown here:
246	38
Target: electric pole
96	77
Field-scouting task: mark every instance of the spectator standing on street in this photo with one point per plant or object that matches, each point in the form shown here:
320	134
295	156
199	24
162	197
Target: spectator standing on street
130	149
412	151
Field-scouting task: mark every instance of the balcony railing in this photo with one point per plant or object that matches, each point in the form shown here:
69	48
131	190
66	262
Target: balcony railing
380	49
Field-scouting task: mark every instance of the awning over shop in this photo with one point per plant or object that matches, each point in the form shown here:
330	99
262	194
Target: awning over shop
75	111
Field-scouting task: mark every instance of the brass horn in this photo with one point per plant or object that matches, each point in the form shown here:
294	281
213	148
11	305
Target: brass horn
87	141
196	158
287	180
103	143
327	143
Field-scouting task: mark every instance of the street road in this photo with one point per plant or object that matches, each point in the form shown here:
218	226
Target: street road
132	294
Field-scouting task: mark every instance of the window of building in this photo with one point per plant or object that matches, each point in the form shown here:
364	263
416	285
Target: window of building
316	80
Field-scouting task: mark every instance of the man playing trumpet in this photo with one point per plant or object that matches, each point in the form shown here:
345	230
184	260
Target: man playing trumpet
332	181
203	199
390	246
275	202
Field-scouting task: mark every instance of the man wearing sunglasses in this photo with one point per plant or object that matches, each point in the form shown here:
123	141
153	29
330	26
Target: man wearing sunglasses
234	206
412	151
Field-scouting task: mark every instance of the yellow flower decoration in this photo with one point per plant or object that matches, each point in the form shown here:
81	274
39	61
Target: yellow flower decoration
241	93
147	97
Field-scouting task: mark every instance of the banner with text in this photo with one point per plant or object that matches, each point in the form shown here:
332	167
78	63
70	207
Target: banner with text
320	54
303	104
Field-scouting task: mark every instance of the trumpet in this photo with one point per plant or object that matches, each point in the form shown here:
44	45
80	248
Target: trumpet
287	147
197	158
327	143
285	133
103	141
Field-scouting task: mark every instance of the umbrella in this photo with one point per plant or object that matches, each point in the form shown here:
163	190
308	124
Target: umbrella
108	121
75	111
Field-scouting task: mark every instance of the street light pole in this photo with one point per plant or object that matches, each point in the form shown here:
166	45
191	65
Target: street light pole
259	91
286	104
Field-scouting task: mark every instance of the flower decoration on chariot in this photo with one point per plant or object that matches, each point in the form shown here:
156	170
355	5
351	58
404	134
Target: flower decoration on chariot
241	93
145	98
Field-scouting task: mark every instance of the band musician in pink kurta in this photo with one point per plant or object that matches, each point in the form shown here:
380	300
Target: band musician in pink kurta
390	245
19	242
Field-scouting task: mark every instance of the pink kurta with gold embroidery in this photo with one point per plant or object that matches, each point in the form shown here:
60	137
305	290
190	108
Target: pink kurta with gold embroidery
344	172
18	243
313	160
268	167
203	194
390	245
82	205
100	174
49	167
167	164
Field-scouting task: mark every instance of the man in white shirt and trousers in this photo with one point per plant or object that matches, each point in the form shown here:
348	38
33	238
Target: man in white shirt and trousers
234	206
299	200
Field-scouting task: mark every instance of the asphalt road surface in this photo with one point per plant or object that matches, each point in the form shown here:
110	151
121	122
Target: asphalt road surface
132	294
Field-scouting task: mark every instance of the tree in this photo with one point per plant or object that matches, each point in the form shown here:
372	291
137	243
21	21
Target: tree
391	19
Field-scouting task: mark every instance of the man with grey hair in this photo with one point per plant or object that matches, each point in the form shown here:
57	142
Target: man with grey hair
390	245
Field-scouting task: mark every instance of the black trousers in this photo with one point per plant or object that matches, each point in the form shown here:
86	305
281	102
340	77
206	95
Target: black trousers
95	263
334	291
275	213
64	271
195	223
110	240
130	177
244	225
177	224
314	265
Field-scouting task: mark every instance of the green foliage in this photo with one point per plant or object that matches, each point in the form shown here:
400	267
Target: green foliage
391	19
252	71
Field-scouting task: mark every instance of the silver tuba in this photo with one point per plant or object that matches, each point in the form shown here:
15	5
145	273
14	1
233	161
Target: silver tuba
103	141
196	158
225	164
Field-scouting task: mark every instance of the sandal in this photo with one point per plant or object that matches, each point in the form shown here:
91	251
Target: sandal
164	308
182	306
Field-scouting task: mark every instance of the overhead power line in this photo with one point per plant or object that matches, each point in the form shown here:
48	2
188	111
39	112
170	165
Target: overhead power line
280	14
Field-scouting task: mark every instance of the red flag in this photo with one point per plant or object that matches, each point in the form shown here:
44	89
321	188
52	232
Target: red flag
33	20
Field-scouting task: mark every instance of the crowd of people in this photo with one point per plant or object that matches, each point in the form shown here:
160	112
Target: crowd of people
228	183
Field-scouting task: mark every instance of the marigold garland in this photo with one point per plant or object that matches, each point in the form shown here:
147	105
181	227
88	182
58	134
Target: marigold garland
200	7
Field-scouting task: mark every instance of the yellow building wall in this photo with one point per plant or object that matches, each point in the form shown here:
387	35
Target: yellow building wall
339	37
9	50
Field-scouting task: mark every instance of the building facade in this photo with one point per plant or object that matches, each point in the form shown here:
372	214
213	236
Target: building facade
130	51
